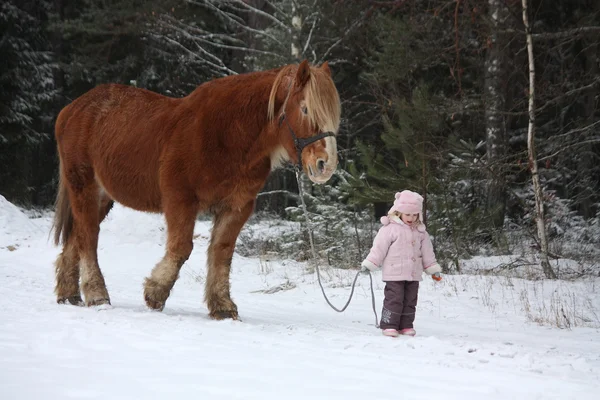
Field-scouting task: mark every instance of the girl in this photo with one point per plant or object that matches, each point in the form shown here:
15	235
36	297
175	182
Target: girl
403	248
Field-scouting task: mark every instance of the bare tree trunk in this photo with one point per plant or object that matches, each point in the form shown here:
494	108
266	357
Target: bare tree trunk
539	200
424	184
296	46
585	197
297	56
495	104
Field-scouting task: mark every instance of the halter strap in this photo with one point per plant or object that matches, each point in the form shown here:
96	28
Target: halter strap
301	143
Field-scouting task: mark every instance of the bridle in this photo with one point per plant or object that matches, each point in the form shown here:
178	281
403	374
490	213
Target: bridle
301	143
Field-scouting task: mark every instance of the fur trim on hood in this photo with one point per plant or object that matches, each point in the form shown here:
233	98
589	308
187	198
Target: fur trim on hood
385	220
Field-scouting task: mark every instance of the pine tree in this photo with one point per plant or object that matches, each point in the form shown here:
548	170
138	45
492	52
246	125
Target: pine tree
26	84
99	42
409	153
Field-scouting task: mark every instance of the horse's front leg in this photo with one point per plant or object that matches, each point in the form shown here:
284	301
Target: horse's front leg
180	212
227	225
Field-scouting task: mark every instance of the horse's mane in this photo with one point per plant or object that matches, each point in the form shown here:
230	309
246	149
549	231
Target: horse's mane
321	96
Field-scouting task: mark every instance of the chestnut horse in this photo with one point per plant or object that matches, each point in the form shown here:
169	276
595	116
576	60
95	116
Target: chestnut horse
209	152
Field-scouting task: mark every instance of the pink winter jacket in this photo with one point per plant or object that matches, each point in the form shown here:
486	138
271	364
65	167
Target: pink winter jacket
403	252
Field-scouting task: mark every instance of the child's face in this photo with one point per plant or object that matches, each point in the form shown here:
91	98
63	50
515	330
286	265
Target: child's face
409	218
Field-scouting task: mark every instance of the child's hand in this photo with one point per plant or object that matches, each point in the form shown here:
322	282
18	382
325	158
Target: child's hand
434	270
367	265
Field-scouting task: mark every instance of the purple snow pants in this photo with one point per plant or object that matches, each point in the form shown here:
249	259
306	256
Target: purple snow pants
399	304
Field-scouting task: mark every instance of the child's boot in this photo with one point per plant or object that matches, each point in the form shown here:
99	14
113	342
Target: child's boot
408	332
390	332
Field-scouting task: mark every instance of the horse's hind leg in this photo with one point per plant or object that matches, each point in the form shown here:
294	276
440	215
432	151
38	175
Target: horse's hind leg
67	275
67	265
87	213
226	228
181	218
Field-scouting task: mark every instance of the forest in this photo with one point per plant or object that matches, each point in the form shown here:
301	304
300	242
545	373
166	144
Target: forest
436	98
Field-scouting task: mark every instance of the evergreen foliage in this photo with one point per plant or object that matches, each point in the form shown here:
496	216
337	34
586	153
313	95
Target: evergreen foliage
26	88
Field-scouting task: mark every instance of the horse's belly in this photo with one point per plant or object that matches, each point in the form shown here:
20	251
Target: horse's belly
135	190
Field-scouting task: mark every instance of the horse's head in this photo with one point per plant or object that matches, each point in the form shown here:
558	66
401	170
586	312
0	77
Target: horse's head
309	119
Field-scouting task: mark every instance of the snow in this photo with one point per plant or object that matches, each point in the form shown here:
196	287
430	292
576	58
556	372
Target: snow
15	226
475	337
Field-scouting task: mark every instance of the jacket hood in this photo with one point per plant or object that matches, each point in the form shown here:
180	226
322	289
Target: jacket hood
385	220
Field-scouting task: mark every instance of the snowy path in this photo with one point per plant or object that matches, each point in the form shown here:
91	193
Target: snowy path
290	344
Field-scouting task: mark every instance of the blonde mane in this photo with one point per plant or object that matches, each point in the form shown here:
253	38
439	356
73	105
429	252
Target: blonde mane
321	96
275	88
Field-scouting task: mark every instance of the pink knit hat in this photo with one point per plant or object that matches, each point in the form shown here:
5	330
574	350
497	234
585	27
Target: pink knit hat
407	202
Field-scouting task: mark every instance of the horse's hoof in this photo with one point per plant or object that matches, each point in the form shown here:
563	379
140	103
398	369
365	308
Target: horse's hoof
98	302
155	294
224	314
153	304
74	300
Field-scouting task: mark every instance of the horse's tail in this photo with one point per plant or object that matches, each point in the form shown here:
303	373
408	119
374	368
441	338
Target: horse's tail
63	216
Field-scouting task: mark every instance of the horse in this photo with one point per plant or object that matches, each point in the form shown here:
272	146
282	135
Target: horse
209	152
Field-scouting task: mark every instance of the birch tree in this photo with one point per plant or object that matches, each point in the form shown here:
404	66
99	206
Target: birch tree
539	195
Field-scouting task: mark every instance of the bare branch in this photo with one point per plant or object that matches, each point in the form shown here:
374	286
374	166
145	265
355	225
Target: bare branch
257	12
574	145
209	5
569	147
171	23
246	49
239	24
192	38
204	38
577	130
285	192
275	7
356	24
220	68
585	30
310	35
569	93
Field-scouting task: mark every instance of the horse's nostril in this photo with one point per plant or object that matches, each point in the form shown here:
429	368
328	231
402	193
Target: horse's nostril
321	165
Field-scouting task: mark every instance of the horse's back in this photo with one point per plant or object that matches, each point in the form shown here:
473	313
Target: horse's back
118	132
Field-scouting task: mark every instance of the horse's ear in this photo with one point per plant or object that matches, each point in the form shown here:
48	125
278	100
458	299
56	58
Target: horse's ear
325	67
303	74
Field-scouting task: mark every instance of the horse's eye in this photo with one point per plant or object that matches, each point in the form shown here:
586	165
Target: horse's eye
304	110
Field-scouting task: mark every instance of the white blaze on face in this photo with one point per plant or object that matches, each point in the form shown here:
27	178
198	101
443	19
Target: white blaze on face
331	148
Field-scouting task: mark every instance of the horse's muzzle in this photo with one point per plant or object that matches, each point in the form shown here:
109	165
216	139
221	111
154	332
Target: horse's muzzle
321	167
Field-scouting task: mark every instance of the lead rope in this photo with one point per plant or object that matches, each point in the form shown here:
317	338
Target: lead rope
314	254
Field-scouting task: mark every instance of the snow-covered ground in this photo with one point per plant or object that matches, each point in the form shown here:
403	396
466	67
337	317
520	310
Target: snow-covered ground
476	335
